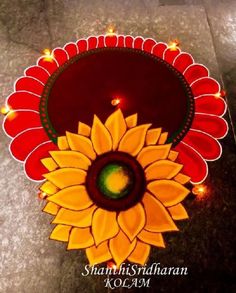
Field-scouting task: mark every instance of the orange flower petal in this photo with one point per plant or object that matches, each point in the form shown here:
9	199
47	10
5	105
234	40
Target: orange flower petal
131	121
151	154
162	169
49	163
155	239
71	159
133	141
140	254
182	179
157	217
80	238
81	144
66	177
117	127
132	221
178	212
168	192
73	197
51	208
163	138
84	129
121	247
98	254
152	136
173	155
100	137
48	188
104	225
75	218
62	143
61	233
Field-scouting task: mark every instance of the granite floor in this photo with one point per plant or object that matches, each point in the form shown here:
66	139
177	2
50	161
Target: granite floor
29	262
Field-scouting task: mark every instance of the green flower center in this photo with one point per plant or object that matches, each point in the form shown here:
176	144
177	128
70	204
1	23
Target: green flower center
115	180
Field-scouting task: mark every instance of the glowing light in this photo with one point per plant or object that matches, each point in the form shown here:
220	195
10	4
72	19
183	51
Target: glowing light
115	102
199	190
5	110
173	45
111	265
111	31
42	195
48	55
220	94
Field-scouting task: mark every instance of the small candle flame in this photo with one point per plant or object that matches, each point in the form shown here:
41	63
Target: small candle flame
48	55
5	110
173	45
111	31
42	195
199	190
115	102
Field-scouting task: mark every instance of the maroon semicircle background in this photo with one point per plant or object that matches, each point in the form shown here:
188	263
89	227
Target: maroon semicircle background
145	84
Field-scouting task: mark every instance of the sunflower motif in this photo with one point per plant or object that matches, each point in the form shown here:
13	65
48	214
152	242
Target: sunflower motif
114	188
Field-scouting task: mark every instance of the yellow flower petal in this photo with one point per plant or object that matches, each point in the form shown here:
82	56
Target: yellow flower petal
49	163
61	233
168	192
133	141
131	121
80	238
73	197
71	159
62	143
182	179
81	144
173	155
51	208
104	225
49	188
163	138
140	254
157	217
132	221
151	154
100	137
178	212
117	127
121	247
152	136
75	218
66	177
155	239
84	129
98	254
162	169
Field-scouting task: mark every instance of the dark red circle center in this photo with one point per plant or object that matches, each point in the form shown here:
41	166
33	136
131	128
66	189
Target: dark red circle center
146	84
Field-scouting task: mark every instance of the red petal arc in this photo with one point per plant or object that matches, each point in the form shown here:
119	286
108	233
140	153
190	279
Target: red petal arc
49	65
92	43
60	55
170	55
194	72
38	72
214	125
148	45
82	45
129	41
205	86
209	104
34	169
101	41
203	143
182	61
29	84
71	49
193	164
23	100
26	141
159	49
20	120
138	43
111	41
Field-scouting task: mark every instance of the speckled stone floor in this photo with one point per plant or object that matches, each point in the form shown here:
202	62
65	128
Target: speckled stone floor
29	262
